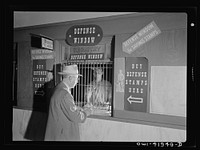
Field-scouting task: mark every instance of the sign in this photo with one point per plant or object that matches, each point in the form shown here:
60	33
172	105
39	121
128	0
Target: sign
46	43
146	34
84	35
42	57
90	56
136	84
87	49
41	54
39	77
39	41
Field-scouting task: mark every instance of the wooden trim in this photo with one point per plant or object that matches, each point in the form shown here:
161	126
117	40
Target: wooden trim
168	121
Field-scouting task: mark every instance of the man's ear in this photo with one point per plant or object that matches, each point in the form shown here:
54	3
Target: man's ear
70	78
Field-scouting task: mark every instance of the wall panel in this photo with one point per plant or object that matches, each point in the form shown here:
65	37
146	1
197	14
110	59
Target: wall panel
24	89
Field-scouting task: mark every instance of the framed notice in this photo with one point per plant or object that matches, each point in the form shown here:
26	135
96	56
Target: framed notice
39	78
136	84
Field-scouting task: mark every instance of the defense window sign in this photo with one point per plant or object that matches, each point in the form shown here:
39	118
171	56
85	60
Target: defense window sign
84	35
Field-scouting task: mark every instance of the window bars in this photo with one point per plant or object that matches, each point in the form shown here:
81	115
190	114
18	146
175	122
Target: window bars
94	88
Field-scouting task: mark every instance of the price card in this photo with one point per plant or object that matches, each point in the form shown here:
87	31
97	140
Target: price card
136	84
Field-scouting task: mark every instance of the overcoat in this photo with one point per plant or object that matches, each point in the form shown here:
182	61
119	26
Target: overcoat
64	116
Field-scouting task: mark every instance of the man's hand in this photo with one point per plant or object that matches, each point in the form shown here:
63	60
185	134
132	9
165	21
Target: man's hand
88	111
79	108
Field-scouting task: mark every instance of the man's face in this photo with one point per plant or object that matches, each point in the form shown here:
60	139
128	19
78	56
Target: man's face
98	75
71	80
49	76
74	80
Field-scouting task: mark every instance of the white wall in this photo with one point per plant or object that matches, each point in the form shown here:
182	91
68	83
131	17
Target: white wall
168	90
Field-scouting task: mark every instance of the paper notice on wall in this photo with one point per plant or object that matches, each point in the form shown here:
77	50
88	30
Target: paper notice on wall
144	35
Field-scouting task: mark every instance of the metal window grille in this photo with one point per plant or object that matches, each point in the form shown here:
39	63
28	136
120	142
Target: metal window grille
92	93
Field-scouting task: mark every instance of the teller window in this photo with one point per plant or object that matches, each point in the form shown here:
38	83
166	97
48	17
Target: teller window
94	88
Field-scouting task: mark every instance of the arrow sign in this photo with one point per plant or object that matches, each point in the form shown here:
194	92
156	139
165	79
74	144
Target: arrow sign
131	99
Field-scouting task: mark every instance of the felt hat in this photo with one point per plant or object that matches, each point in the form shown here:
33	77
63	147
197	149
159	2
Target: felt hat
70	70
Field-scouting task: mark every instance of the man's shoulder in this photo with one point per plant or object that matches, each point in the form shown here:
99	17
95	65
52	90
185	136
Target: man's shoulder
60	89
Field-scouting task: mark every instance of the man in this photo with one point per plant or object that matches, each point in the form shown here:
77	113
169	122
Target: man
64	115
99	91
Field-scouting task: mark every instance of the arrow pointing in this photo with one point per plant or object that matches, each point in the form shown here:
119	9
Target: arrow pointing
131	99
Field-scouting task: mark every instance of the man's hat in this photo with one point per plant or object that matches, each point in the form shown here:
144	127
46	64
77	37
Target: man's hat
70	70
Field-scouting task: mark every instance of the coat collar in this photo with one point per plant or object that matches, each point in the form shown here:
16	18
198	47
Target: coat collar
65	86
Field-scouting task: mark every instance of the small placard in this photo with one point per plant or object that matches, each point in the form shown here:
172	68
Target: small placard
40	41
87	49
42	54
91	56
146	34
46	43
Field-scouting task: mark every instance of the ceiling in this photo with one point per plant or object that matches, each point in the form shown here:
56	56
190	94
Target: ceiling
27	18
